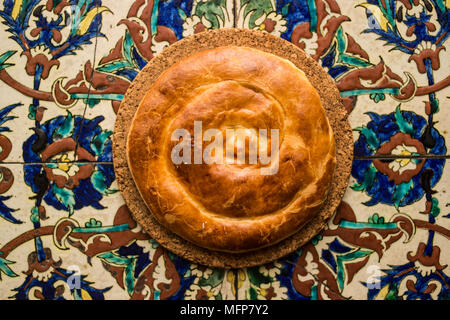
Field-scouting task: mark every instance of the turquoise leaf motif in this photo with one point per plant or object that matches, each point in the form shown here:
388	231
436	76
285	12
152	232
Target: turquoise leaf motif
99	182
435	210
5	268
181	13
98	142
34	215
78	14
369	178
377	97
400	192
128	263
376	219
388	13
4	57
313	14
434	106
66	197
441	5
127	49
285	9
66	129
91	102
371	137
344	58
93	223
345	258
315	240
128	62
404	125
114	66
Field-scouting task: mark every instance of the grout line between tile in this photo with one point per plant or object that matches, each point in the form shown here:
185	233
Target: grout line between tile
56	162
387	157
90	83
235	271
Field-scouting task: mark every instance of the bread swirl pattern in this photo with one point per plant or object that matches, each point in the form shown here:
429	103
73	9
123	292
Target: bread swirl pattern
222	207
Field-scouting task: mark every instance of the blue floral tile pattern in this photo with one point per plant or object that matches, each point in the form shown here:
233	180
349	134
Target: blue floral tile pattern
67	234
408	128
51	36
374	251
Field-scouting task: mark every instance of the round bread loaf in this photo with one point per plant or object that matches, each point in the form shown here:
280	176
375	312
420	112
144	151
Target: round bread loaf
224	204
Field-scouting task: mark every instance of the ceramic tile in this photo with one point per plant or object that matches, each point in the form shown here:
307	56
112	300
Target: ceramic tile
50	232
417	61
395	129
45	64
409	64
39	259
410	42
62	89
386	233
131	33
375	68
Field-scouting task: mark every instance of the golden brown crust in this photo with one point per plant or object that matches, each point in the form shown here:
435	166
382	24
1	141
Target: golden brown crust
214	206
331	101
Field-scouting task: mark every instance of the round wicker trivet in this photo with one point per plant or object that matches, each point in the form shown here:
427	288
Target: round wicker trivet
212	39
